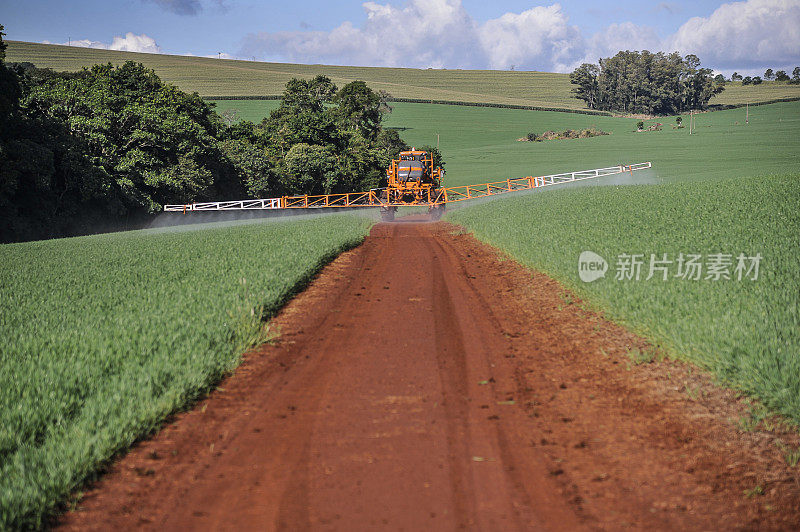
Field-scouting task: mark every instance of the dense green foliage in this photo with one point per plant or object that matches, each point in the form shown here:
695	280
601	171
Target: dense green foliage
109	142
324	140
747	332
104	336
644	82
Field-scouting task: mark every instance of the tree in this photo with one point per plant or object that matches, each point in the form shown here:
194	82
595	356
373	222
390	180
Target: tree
585	77
736	76
719	79
360	108
795	75
769	74
644	82
781	75
311	169
252	166
87	147
154	143
10	90
747	80
3	45
757	80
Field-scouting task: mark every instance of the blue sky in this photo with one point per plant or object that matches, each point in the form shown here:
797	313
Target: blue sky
747	36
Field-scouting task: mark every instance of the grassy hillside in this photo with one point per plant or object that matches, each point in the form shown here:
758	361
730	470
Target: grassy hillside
746	331
480	143
213	77
103	336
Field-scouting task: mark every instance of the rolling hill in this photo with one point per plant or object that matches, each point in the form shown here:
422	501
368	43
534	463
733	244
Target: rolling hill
228	78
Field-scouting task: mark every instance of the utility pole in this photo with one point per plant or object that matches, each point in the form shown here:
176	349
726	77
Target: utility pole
747	113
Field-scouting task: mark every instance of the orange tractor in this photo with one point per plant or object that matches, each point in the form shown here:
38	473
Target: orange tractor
412	179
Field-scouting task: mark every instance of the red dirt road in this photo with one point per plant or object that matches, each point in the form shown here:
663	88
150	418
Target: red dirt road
422	382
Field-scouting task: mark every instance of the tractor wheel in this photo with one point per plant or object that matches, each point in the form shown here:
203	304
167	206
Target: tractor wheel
436	212
387	215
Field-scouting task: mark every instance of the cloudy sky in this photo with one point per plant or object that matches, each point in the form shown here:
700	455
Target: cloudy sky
746	36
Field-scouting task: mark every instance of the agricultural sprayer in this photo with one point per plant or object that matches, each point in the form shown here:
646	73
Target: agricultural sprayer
412	180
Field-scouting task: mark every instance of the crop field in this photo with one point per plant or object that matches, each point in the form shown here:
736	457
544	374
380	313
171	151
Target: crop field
704	198
103	336
747	332
214	77
252	110
480	144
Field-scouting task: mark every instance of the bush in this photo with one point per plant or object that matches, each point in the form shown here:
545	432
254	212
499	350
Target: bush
568	134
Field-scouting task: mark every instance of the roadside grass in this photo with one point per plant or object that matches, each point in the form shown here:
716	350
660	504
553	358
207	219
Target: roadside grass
791	456
104	336
746	332
214	77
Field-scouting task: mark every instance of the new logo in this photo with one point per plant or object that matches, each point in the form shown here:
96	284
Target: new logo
591	266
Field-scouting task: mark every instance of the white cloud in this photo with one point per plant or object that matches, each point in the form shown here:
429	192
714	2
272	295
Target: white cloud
430	33
617	37
538	36
221	55
747	36
744	35
130	43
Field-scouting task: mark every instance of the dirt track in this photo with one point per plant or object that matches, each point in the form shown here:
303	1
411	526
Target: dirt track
422	382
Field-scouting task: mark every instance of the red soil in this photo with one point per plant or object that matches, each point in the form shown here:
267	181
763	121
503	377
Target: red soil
422	381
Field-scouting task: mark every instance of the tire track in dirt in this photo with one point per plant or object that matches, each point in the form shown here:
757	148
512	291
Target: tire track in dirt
420	382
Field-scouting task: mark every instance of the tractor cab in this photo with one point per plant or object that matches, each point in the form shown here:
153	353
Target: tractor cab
413	168
410	170
412	180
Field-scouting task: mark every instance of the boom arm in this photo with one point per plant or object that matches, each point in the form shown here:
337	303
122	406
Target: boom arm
372	198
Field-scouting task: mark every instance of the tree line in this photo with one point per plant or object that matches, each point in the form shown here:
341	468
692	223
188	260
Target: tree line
114	142
769	75
646	83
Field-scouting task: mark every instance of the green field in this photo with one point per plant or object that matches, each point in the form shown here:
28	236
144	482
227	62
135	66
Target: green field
746	332
480	144
153	318
213	77
252	110
104	336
